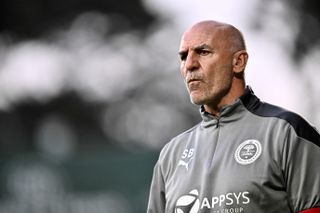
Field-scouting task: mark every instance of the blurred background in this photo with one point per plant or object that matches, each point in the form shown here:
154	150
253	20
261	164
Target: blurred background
90	91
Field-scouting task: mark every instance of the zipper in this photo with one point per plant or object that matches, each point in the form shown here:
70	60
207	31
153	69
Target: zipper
217	140
218	122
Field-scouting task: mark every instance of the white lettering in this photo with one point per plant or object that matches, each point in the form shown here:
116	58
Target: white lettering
225	200
215	200
184	154
237	197
187	153
228	196
221	199
247	199
205	203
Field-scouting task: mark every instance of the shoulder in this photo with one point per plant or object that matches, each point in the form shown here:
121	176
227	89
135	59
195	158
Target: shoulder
177	143
300	125
172	151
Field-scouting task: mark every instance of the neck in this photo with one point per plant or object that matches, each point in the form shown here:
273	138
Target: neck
236	90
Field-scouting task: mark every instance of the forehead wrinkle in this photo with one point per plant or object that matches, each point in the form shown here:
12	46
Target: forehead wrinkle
196	39
202	46
199	38
222	34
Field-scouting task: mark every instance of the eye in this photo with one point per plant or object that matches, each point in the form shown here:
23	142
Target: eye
204	52
183	56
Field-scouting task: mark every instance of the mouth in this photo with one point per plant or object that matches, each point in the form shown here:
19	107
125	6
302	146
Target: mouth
194	84
193	80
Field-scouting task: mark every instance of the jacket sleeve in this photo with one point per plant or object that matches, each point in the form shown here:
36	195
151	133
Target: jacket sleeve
157	200
301	167
313	210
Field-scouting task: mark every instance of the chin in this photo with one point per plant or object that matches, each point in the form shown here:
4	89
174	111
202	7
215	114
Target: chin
197	100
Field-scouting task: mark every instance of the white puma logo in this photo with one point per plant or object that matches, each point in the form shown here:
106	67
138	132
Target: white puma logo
183	163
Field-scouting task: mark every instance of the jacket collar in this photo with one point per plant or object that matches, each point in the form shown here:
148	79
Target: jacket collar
228	113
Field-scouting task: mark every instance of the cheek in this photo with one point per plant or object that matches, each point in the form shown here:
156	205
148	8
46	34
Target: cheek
183	73
218	76
212	74
182	69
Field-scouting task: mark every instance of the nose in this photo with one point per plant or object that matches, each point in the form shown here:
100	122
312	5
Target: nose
191	62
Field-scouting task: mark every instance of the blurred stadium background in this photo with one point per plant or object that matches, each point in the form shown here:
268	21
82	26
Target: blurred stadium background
90	91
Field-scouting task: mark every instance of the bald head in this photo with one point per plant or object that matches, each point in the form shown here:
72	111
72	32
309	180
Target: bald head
213	59
227	35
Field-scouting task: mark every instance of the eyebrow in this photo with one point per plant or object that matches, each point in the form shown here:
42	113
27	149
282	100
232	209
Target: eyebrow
202	47
198	48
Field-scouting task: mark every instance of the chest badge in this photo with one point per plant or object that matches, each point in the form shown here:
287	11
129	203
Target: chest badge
248	151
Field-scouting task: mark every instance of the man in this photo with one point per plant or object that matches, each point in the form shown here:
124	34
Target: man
245	155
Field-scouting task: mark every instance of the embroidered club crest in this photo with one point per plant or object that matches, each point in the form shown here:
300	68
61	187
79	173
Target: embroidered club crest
248	151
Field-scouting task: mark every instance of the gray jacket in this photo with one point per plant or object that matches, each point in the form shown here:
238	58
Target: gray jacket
254	158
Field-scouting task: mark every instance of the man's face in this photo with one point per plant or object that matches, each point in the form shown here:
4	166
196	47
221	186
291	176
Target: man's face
206	65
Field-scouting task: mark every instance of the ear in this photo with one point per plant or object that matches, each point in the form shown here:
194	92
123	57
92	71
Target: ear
239	62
